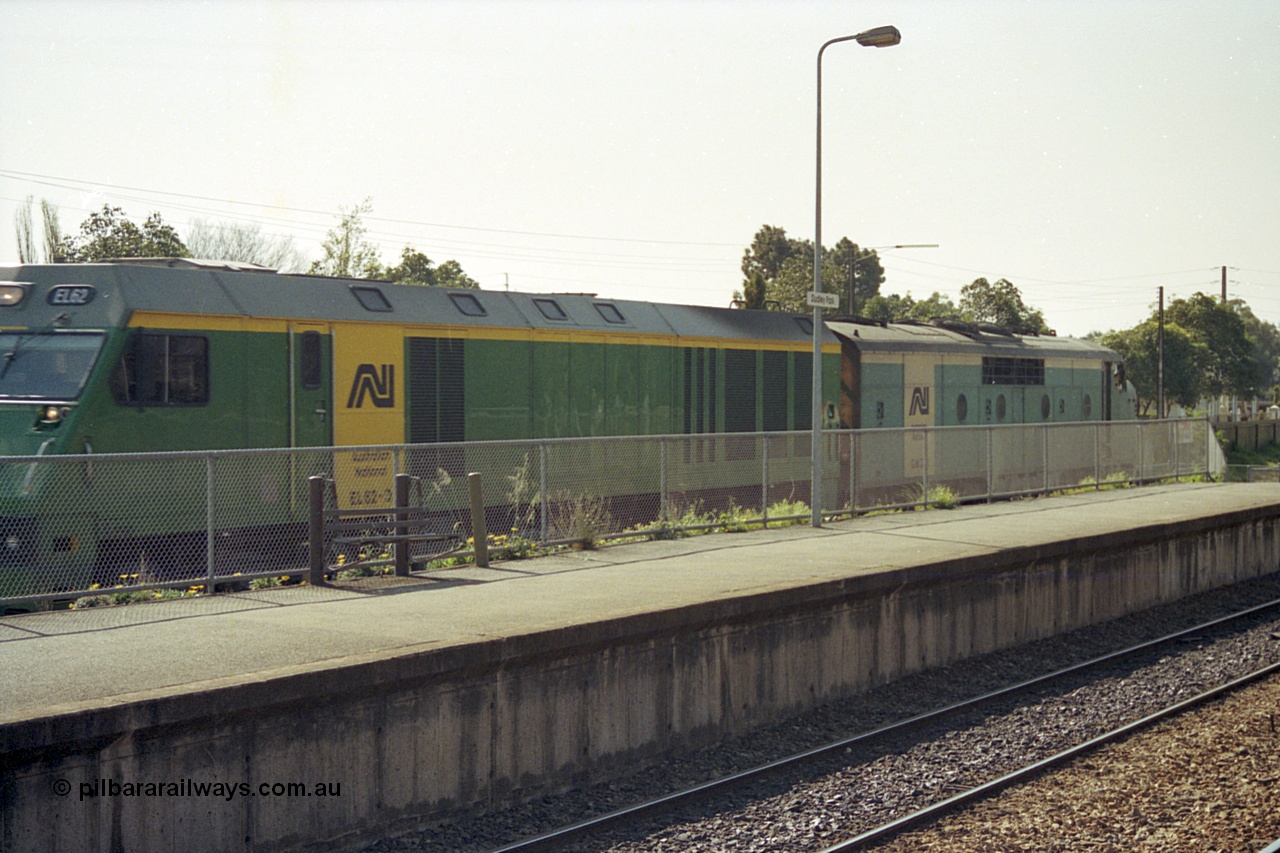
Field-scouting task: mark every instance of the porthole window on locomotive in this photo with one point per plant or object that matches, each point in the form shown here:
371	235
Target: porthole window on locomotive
1086	408
962	408
1001	408
1046	408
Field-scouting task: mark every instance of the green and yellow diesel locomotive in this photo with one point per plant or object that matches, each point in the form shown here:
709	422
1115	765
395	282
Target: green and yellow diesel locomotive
138	356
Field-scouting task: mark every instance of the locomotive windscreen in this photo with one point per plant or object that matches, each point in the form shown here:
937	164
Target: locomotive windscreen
46	365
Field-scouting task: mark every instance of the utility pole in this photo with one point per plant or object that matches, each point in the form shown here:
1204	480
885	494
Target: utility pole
1160	357
1224	284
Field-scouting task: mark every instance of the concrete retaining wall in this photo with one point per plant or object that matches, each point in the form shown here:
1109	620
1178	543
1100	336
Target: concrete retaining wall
432	734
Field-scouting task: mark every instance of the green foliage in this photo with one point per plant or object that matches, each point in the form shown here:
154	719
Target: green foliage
1229	366
891	307
754	290
1000	303
414	268
108	234
347	254
786	267
1264	341
1268	454
942	497
346	251
1183	360
450	274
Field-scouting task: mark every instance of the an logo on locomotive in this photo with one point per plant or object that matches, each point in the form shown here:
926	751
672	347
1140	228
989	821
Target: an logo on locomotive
378	383
920	400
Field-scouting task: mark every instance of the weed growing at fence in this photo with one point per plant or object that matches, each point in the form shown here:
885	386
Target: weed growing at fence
581	518
107	598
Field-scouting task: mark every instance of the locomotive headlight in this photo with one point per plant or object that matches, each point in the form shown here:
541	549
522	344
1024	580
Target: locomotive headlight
12	294
53	414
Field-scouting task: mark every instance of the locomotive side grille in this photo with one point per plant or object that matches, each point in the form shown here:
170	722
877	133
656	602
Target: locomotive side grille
436	402
775	391
802	403
739	391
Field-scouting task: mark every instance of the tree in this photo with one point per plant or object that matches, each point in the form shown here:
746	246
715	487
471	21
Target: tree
1183	363
108	234
417	268
1229	365
894	307
233	241
347	253
846	259
1264	338
754	290
450	274
25	235
786	267
1000	303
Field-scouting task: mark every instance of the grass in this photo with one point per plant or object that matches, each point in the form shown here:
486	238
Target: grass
1266	455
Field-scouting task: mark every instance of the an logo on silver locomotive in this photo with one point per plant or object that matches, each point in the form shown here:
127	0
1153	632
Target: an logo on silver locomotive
920	400
378	383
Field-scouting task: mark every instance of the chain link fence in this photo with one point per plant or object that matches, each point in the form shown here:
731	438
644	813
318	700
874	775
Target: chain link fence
90	525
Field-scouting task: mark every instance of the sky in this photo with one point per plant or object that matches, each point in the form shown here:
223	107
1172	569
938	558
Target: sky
1089	152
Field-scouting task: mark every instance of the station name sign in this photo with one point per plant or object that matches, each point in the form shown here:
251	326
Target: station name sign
824	300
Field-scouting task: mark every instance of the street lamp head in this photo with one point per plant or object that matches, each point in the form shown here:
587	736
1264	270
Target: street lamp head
879	37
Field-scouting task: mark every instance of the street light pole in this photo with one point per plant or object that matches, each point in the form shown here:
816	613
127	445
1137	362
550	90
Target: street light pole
878	37
853	266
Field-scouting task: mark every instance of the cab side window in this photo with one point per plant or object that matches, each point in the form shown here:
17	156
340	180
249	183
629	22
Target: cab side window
163	370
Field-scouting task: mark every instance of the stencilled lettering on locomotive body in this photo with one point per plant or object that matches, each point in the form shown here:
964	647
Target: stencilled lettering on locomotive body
71	294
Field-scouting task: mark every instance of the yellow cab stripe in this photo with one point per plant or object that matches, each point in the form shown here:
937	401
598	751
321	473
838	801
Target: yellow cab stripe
231	323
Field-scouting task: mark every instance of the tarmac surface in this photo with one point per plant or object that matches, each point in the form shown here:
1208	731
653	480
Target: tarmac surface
58	662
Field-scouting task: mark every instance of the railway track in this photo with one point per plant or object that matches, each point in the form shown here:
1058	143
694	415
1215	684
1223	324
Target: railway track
774	794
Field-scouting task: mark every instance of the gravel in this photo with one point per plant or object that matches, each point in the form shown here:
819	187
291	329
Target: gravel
872	785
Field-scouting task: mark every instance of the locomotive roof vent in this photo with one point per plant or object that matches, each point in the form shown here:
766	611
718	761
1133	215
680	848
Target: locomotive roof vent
953	325
191	263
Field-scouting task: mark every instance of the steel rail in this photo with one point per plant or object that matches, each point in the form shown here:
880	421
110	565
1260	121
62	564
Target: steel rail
893	828
552	838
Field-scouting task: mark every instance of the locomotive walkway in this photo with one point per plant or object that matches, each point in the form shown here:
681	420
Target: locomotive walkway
66	662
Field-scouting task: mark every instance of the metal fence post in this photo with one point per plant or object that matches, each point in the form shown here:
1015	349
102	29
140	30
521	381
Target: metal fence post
990	463
209	521
764	481
479	532
1097	455
924	466
542	487
1142	449
400	529
663	509
315	529
1044	457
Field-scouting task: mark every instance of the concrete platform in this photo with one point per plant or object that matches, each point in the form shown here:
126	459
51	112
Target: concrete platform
762	623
